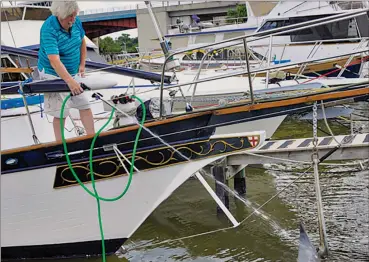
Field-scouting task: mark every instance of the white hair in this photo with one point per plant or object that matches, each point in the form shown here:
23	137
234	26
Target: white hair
62	9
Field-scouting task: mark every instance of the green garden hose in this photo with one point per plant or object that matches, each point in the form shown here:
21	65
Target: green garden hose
95	193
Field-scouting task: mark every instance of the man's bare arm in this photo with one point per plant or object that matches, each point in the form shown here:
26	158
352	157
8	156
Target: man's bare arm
83	54
60	69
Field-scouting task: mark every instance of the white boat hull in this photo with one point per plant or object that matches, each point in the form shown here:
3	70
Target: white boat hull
34	214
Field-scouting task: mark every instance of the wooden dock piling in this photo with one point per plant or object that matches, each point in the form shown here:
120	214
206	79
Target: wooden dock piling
239	182
219	173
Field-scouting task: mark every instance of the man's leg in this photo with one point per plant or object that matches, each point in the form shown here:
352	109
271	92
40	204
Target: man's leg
57	131
87	120
52	105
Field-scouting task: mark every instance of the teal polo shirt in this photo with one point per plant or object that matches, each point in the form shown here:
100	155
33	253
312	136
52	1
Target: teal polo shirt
55	40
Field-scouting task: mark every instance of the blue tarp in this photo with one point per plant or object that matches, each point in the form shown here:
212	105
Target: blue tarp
9	103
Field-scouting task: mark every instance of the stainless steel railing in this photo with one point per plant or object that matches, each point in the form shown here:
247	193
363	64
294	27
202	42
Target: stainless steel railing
258	36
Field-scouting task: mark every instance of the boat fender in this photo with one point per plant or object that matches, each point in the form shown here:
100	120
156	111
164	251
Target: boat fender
188	108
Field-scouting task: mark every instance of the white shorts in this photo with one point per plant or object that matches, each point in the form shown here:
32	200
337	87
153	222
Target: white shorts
53	101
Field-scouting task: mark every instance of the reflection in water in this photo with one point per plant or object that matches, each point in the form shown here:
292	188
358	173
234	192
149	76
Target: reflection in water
190	210
345	202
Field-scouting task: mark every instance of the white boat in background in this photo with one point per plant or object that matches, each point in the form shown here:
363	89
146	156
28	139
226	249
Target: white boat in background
321	41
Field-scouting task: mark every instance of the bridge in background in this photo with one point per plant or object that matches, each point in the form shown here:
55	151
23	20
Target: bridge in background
103	21
100	24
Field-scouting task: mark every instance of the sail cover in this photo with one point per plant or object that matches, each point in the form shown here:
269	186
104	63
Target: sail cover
94	65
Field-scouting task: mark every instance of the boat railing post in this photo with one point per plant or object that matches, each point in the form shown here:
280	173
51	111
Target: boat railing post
248	71
313	51
199	72
260	65
132	84
269	60
162	86
24	12
34	137
211	57
284	48
350	58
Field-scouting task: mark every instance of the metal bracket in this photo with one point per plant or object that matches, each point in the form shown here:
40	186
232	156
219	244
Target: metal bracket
109	147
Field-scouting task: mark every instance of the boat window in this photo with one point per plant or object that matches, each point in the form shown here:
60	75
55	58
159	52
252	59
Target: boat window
363	24
11	14
269	25
9	77
338	30
37	13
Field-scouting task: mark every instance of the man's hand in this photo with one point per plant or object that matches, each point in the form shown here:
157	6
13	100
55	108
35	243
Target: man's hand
59	68
75	87
81	70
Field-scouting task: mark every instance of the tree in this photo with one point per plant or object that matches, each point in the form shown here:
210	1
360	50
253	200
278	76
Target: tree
108	45
234	15
128	44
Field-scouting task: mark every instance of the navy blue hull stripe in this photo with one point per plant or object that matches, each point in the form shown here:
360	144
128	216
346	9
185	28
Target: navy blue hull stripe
65	250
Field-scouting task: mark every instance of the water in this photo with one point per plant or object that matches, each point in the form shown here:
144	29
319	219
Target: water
272	233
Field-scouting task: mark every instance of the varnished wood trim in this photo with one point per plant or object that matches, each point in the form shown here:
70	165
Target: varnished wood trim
342	42
16	70
292	101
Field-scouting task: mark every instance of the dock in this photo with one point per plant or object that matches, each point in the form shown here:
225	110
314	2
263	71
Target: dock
352	147
278	151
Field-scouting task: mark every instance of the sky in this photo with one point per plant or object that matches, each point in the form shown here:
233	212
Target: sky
104	4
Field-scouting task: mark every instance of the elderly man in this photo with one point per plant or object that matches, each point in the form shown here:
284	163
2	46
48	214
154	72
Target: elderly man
62	54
